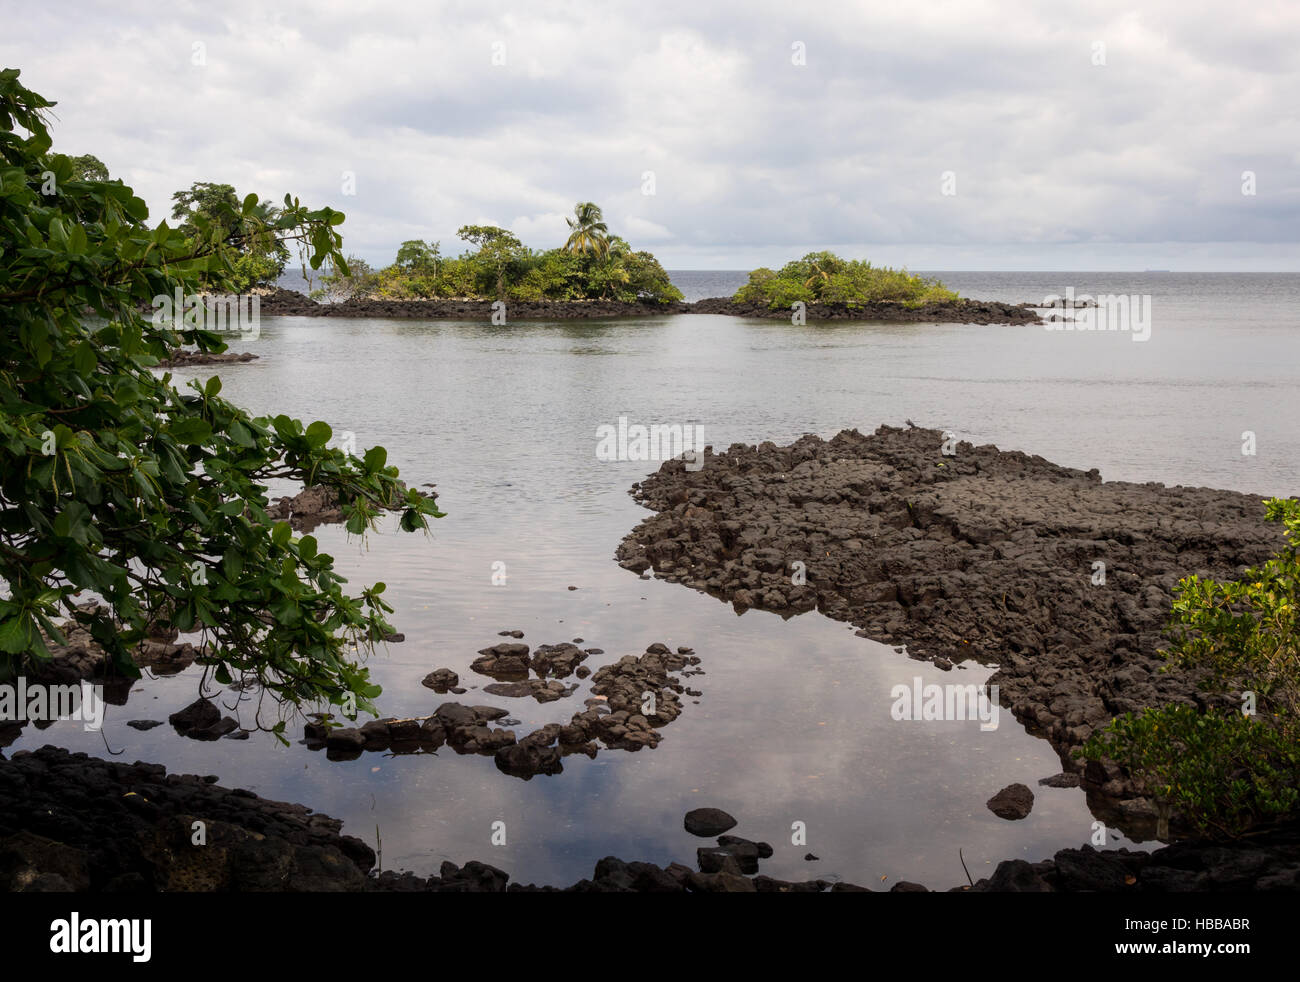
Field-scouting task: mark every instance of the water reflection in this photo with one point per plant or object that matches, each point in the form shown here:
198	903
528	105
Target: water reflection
792	724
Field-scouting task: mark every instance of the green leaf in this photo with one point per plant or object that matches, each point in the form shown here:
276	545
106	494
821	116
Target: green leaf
16	634
83	360
318	434
190	430
241	434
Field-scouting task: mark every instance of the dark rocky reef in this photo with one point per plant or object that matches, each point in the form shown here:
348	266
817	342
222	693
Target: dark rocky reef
947	311
984	554
631	701
185	358
287	303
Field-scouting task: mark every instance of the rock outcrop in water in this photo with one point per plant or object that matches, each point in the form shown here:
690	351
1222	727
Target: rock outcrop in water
985	554
186	358
632	700
946	312
286	303
319	505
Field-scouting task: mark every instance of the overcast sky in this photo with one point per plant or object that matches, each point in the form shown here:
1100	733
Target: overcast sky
1110	138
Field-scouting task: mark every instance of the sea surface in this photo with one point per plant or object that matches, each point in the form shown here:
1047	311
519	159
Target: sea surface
793	729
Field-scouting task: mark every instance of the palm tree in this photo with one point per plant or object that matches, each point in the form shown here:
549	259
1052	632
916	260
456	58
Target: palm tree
588	232
817	271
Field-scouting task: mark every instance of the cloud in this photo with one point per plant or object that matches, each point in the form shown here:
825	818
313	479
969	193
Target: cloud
1064	130
643	230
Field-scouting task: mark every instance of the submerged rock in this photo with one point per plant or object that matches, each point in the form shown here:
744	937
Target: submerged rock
1013	802
441	679
202	720
708	822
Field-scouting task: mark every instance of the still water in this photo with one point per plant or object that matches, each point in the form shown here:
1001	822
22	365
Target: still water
793	724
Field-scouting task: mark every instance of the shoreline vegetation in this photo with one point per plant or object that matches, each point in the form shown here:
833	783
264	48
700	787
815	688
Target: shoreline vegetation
597	274
592	264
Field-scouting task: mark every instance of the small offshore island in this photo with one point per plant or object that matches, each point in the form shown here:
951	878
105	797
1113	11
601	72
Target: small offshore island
289	303
596	274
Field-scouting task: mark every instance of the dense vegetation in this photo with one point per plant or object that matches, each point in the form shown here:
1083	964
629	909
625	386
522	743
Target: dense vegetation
591	265
823	277
254	261
114	483
1225	770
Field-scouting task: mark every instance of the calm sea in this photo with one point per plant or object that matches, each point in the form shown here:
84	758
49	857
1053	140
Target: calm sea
793	724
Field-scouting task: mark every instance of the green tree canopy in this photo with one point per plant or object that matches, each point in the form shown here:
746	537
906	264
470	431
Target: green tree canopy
499	251
823	277
88	167
415	256
260	257
355	279
115	483
502	267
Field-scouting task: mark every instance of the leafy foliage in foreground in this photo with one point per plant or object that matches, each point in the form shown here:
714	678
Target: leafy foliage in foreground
116	483
823	277
1226	770
254	261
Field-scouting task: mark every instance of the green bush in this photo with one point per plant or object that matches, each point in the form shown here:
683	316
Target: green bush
552	275
1226	769
1220	772
823	277
592	266
359	280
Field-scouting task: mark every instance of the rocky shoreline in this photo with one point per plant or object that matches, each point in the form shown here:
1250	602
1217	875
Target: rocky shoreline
289	303
981	555
954	312
74	823
187	358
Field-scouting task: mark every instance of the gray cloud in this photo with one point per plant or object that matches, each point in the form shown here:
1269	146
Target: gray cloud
1059	162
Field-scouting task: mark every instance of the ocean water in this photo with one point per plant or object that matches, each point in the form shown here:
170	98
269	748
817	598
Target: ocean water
793	724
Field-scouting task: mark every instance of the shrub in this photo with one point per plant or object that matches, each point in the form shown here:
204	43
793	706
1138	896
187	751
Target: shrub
1224	770
823	277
